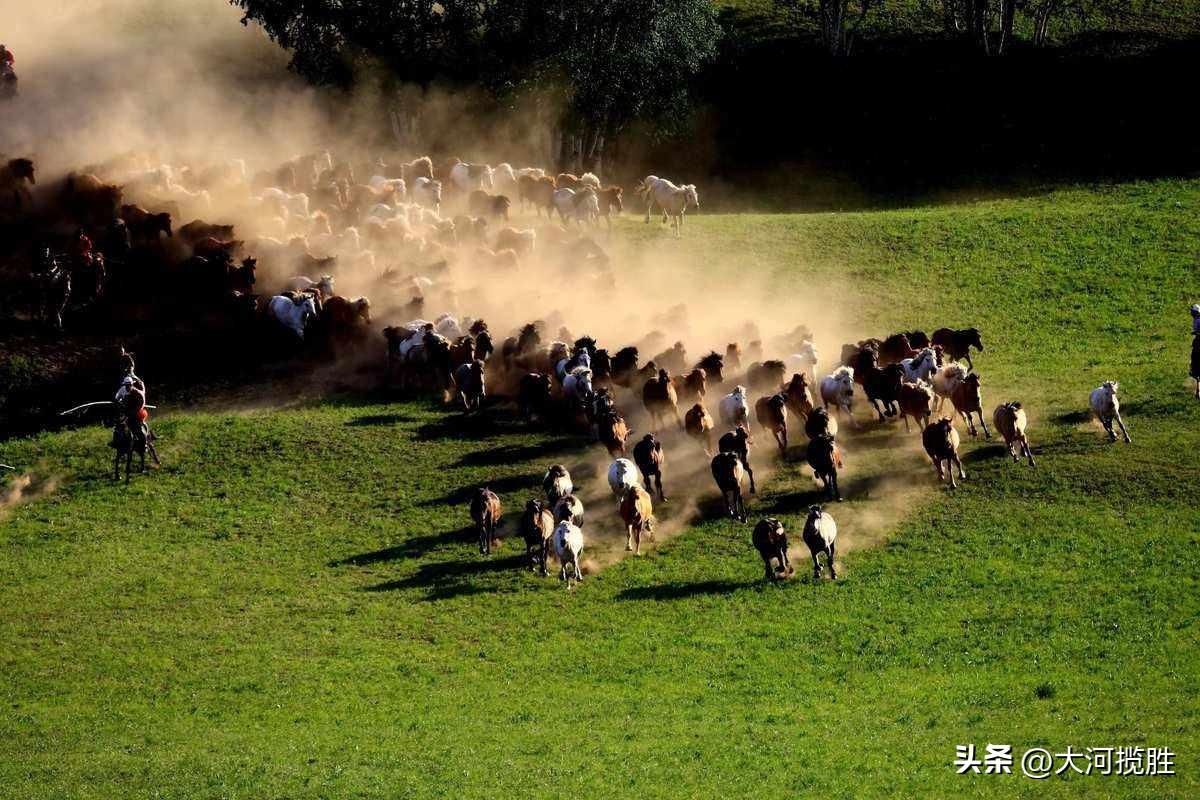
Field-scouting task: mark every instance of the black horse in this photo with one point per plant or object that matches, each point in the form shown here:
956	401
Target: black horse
124	442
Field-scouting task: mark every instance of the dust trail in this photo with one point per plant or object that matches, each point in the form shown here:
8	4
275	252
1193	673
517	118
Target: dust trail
25	488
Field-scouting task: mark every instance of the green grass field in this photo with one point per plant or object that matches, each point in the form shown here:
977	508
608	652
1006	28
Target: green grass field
291	606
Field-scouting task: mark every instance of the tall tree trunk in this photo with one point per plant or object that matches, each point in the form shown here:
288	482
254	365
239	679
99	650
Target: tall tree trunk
1007	12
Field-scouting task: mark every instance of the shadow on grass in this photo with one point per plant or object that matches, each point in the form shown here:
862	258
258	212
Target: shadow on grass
1073	417
990	451
510	454
453	579
410	548
680	590
511	483
380	419
490	423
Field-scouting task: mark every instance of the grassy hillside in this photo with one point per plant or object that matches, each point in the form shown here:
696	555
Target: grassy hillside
291	607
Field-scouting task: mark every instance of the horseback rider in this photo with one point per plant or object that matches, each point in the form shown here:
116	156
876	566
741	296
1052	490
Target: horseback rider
131	404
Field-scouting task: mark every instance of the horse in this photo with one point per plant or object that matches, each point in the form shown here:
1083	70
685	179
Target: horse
293	315
125	443
671	199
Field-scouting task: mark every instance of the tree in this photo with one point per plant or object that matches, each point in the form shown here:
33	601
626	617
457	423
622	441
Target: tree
601	63
839	19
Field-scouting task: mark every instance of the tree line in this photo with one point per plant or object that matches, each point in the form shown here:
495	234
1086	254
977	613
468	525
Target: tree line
593	67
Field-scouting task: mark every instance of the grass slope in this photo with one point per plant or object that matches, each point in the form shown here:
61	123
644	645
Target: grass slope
289	608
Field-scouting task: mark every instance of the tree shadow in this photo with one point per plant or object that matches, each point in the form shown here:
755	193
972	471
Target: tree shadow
510	483
679	590
379	419
510	454
410	548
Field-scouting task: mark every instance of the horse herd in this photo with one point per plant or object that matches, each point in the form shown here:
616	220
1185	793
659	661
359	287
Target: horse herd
584	386
105	242
313	217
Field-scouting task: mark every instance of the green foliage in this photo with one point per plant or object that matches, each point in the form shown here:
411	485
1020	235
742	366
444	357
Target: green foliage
610	61
291	608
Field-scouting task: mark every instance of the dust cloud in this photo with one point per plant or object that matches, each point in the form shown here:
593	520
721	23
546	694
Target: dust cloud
153	96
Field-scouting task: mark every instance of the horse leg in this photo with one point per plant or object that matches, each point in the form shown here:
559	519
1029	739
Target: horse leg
837	492
750	472
983	423
628	537
829	555
1124	432
117	464
1028	452
905	418
816	566
1107	423
658	482
128	463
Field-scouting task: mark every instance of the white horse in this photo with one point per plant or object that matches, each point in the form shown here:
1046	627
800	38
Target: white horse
921	366
946	380
735	408
504	179
671	199
837	390
461	176
291	315
1107	408
622	474
566	366
582	206
427	193
806	358
568	546
397	185
446	325
577	387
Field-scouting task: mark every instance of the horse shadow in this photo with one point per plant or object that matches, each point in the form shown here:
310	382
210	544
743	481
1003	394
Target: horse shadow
510	483
990	451
1073	417
410	548
454	578
680	590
